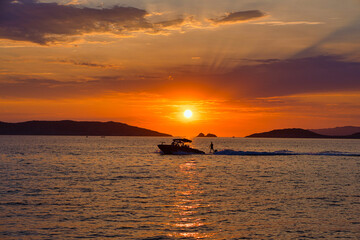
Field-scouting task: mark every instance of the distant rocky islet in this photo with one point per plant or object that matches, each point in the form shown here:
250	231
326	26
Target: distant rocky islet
207	135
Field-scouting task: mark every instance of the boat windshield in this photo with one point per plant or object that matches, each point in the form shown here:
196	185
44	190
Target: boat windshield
181	142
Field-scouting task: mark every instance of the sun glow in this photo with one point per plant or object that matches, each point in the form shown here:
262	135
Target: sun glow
188	113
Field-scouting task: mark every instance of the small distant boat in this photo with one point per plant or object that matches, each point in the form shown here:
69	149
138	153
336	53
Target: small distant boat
179	146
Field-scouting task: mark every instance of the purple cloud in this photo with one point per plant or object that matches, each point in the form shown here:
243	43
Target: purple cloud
240	17
42	23
275	77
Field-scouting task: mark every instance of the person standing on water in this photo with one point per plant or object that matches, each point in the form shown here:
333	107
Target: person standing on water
211	147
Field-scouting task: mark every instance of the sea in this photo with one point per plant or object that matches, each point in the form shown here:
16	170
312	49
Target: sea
78	187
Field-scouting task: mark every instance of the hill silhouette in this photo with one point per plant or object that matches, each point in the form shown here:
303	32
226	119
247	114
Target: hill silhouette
297	133
337	131
355	135
75	128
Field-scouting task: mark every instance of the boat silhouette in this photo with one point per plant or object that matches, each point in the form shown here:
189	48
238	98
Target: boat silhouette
179	146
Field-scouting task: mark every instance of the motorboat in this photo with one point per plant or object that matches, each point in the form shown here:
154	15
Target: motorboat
179	146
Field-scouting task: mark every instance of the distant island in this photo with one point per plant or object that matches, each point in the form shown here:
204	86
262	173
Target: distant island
207	135
75	128
298	133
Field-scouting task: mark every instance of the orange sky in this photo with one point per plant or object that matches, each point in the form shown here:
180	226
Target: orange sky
240	66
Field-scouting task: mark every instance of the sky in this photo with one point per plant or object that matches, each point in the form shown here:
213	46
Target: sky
241	66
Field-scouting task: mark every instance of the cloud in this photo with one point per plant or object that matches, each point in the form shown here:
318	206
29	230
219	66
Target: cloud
270	60
341	39
237	17
43	23
170	23
87	64
19	86
275	77
268	78
46	23
294	76
282	23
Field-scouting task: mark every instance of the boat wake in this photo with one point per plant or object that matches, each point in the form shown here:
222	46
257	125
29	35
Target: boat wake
284	153
178	153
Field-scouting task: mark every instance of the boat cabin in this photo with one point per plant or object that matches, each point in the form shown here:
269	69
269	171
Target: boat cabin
181	142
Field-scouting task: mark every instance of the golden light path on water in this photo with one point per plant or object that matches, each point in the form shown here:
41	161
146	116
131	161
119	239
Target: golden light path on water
189	204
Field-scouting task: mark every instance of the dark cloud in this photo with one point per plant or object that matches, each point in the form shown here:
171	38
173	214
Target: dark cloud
270	60
294	76
42	23
274	77
86	64
240	17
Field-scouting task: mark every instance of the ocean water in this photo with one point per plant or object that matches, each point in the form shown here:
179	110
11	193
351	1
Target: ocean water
55	187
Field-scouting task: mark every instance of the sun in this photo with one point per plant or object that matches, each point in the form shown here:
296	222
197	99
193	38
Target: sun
188	113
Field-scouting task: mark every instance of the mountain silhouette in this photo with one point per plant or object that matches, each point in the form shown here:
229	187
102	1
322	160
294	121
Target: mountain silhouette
337	131
75	128
297	133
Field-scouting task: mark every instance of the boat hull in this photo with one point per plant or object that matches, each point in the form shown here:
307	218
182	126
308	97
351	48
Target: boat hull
178	150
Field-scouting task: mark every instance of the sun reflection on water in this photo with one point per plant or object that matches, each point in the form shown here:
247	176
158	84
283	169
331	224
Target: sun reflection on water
188	218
